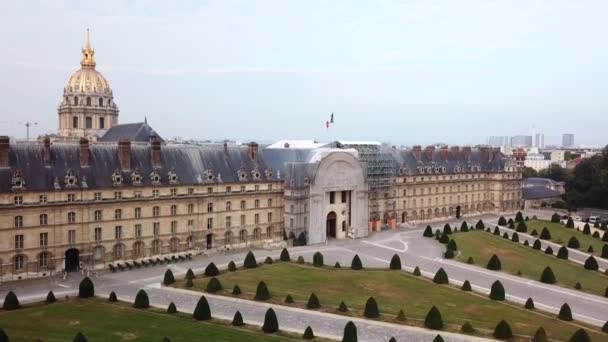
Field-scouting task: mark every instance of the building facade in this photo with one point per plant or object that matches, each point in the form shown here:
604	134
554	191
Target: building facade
567	140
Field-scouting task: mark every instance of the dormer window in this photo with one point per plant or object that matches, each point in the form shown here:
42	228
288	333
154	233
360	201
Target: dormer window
209	177
117	178
155	177
17	182
256	174
172	176
136	178
70	179
268	173
242	175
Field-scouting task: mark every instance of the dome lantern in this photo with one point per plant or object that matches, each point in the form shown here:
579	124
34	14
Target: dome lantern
88	54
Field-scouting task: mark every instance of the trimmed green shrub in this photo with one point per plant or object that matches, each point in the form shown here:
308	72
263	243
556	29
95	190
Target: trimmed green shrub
308	334
447	229
534	232
392	339
313	302
300	260
79	337
565	314
562	253
250	261
547	276
570	223
497	292
11	302
466	286
202	312
596	235
587	229
540	335
428	232
342	307
50	298
350	332
271	323
480	225
444	238
464	227
211	270
268	260
545	234
494	263
549	250
605	251
171	309
502	221
231	266
213	285
605	236
470	261
505	236
141	300
237	321
112	298
401	315
189	282
578	286
519	217
515	237
503	331
580	336
396	261
449	254
511	224
169	278
438	338
317	259
555	218
337	265
452	245
441	277
521	227
288	299
591	264
537	245
526	243
371	308
262	293
285	255
190	274
529	304
433	319
86	288
417	272
236	290
356	263
467	327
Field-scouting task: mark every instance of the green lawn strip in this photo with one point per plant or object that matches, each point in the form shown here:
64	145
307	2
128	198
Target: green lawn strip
516	258
102	321
560	234
393	290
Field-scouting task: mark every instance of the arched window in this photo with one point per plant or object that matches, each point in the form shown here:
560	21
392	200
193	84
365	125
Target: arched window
243	235
228	238
88	100
156	244
118	251
257	234
43	260
174	245
100	102
19	263
269	232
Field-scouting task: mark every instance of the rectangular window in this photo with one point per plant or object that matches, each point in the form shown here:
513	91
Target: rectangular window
137	194
173	227
243	188
291	223
257	188
74	122
190	223
228	221
270	203
118	214
209	207
71	217
18	241
242	220
44	239
256	203
155	193
44	219
228	206
269	187
173	210
71	197
98	215
343	195
71	237
18	200
190	191
98	234
43	198
228	189
156	228
97	196
102	123
138	231
210	190
88	122
118	232
209	223
190	208
173	192
269	217
155	211
137	213
332	197
243	205
256	218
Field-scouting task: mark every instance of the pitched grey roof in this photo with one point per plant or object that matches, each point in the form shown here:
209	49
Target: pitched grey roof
135	132
538	192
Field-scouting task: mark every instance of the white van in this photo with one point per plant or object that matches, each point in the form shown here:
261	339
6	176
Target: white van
594	219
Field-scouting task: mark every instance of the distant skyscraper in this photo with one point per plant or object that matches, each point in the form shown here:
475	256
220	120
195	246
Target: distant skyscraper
539	140
498	141
567	140
521	141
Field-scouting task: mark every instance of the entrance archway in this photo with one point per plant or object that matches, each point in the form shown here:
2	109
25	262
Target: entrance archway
331	224
72	260
458	212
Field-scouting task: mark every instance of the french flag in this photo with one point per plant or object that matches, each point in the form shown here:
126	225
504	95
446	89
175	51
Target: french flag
330	121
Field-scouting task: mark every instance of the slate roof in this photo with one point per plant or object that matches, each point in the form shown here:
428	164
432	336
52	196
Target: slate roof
538	192
135	132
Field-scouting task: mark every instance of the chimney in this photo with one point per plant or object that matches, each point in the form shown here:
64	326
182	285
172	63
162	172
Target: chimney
225	149
124	154
253	151
429	151
47	151
155	152
84	152
416	150
5	147
467	152
444	152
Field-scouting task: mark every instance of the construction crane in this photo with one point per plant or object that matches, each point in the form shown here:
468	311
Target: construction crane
27	125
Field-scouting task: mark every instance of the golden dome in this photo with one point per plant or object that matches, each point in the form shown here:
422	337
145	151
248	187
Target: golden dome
87	79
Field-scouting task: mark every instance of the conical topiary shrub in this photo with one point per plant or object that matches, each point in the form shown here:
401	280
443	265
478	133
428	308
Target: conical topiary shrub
342	307
449	254
202	312
438	338
573	243
396	262
521	227
190	274
505	236
169	278
545	234
452	245
141	300
464	227
519	217
547	276
494	263
86	288
480	225
555	218
211	270
565	314
466	286
50	298
433	319
268	260
11	302
262	293
371	308
467	327
288	299
189	282
562	253
497	292
79	338
237	321
540	335
502	221
231	266
284	255
313	302
549	250
537	245
250	261
580	336
590	249
515	237
586	229
337	265
496	231
591	264
447	229
356	263
236	290
350	332
444	238
401	315
441	277
526	243
271	323
317	259
529	304
417	272
605	251
213	285
112	298
470	261
166	339
503	331
308	334
171	309
534	232
605	327
428	232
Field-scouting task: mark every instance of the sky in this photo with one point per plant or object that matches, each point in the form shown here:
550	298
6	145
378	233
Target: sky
402	72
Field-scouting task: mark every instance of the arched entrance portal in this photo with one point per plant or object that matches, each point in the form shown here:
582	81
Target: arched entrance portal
331	225
458	212
72	260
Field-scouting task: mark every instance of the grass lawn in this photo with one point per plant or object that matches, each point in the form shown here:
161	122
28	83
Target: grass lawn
560	234
393	290
102	321
530	262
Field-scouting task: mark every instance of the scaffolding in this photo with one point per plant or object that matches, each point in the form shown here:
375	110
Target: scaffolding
380	165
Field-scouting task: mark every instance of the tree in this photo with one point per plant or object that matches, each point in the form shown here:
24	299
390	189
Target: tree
190	274
536	245
433	319
250	261
586	229
449	254
562	253
511	224
503	331
464	227
502	221
578	286
497	292
356	263
262	293
438	338
284	255
519	217
86	288
480	225
534	232
300	260
141	300
526	243
515	237
237	321
317	259
308	334
496	231
79	338
549	250
505	235
428	232
447	229
528	172
11	302
342	307
288	299
350	332
565	314
605	236
268	260
301	240
547	276
580	336
441	277
236	290
444	238
522	227
371	308
545	234
529	304
494	263
401	315
202	312
570	223
466	286
337	265
50	298
271	323
467	327
452	245
555	218
169	278
396	261
112	298
540	335
211	270
591	264
417	272
313	302
231	266
171	309
213	285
